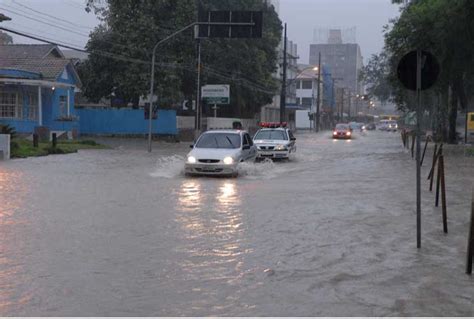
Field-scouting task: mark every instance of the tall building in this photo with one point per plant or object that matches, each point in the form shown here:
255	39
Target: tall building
344	59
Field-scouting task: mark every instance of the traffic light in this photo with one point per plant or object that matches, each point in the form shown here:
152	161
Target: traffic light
231	24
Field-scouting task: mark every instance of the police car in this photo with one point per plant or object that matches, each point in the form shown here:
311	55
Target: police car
274	141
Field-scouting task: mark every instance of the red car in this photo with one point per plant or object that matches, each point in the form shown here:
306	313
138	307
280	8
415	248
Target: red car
342	131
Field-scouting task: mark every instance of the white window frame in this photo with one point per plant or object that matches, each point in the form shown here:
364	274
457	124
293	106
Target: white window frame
32	107
9	110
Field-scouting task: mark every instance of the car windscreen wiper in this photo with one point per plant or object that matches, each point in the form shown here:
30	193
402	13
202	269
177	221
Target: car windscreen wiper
230	142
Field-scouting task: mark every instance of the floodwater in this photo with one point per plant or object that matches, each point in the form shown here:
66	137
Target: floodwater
121	232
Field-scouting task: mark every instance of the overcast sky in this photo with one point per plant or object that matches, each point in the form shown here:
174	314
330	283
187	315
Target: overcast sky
368	16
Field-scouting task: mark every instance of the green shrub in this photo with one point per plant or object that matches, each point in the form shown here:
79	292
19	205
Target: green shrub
88	142
7	129
14	145
54	150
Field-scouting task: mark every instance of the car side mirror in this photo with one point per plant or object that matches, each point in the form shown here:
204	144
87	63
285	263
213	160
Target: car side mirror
293	139
191	146
246	147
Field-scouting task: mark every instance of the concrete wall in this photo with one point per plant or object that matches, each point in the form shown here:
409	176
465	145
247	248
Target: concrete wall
4	146
125	122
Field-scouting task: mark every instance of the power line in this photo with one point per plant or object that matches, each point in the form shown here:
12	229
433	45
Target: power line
237	80
47	23
29	30
99	52
54	17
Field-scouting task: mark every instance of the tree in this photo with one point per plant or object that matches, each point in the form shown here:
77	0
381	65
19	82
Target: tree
445	28
375	75
131	28
5	38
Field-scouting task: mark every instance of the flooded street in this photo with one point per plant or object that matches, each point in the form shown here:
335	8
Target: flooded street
120	232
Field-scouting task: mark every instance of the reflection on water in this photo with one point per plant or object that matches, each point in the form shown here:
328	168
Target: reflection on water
12	198
209	215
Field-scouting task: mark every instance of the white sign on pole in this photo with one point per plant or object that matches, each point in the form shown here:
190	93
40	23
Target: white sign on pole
216	94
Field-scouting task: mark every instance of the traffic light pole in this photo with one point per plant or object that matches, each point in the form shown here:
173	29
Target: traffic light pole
283	83
318	101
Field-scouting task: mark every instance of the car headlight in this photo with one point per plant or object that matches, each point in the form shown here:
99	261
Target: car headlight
280	148
191	160
228	160
348	133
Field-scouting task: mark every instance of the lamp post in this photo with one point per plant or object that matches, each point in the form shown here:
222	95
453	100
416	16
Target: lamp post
318	103
4	17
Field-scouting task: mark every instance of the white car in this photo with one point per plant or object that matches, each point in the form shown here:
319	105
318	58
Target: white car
275	143
219	152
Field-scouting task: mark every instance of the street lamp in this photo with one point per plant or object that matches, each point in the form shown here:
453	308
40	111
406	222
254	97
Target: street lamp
4	17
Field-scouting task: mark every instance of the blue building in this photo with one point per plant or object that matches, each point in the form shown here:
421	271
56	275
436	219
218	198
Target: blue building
37	87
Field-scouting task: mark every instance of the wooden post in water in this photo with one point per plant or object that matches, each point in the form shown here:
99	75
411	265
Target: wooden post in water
35	140
438	181
424	151
55	140
443	194
470	242
433	165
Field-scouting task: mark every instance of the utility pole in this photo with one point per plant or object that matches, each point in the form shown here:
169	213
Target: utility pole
318	102
198	90
197	120
342	105
350	102
283	83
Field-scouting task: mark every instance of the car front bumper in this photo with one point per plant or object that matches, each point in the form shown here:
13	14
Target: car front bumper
342	137
261	154
210	169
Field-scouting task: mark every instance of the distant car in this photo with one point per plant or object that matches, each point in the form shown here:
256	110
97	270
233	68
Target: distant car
383	125
354	126
274	142
342	131
219	152
370	127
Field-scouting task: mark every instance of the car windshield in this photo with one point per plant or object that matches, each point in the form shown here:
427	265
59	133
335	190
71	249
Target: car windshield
342	127
271	135
219	140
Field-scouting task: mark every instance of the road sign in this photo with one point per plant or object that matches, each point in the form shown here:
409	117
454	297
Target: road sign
216	94
429	70
234	24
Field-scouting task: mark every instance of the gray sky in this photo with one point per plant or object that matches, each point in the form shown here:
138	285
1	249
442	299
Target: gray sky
302	16
368	16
